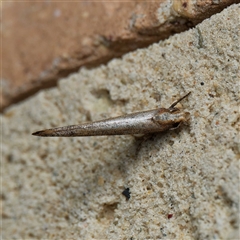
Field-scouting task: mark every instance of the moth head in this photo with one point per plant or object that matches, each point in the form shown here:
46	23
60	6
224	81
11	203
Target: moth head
171	117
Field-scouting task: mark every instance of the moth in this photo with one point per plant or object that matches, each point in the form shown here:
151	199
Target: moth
145	122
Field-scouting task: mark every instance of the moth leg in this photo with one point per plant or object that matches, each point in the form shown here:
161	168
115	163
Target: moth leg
175	126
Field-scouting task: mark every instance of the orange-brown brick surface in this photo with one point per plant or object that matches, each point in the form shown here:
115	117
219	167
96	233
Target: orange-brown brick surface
44	41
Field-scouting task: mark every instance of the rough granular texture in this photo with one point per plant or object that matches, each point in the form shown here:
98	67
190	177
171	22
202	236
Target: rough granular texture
184	183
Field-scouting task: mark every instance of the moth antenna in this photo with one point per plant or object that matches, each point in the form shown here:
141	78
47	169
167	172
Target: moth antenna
179	100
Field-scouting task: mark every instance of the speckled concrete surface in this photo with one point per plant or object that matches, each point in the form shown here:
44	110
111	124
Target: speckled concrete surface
184	184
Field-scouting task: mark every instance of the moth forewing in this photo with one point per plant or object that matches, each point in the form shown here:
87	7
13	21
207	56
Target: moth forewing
156	120
170	118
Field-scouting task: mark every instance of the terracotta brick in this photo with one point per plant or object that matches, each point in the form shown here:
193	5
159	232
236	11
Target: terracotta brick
44	41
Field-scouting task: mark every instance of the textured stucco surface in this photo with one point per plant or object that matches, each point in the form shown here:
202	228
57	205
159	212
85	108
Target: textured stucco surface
184	184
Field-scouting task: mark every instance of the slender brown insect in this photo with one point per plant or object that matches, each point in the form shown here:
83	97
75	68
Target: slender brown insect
152	121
